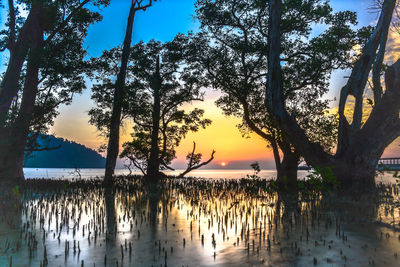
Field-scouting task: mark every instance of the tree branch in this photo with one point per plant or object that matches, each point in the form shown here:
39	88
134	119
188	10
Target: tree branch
377	68
133	160
192	167
166	165
312	152
65	22
357	81
139	7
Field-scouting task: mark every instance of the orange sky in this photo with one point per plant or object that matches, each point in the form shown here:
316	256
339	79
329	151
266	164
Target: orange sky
222	135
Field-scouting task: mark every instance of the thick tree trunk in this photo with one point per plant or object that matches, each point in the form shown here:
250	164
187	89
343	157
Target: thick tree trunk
287	173
18	52
286	169
354	175
356	165
153	165
113	141
13	150
20	129
359	148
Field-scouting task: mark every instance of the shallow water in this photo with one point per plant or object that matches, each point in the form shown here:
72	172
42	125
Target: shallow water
62	173
199	223
57	173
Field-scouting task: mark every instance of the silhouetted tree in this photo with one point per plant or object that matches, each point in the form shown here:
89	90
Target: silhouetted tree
18	38
160	79
49	39
233	52
115	120
360	143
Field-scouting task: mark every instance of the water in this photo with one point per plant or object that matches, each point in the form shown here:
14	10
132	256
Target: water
201	222
60	173
93	173
197	224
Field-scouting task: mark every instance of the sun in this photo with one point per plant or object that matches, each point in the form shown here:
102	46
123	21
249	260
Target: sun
223	164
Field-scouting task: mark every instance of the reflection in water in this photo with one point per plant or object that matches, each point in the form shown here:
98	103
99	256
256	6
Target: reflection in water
109	196
198	223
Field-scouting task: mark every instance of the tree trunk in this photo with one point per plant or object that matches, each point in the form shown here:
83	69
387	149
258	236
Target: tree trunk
113	141
287	173
354	175
13	151
286	170
18	52
356	165
109	200
359	148
153	165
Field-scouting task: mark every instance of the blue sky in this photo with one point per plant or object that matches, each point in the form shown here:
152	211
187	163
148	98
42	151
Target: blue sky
162	21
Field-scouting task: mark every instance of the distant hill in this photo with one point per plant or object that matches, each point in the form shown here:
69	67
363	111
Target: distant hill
69	155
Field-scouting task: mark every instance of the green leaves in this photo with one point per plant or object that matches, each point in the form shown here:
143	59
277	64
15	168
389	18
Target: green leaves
323	178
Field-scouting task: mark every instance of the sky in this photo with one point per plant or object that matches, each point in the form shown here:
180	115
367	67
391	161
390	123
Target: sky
162	22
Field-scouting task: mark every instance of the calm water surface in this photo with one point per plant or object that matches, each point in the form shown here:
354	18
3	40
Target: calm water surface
201	222
58	173
92	173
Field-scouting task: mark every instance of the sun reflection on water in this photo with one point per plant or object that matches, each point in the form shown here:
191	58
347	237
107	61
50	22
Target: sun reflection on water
199	223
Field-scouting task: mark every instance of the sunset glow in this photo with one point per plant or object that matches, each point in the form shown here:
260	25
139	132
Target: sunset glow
223	164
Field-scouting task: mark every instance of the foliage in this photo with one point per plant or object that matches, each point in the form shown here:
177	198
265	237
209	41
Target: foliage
271	187
61	63
256	167
233	52
180	84
322	178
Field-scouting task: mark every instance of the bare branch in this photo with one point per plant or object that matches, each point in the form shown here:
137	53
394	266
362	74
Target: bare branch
191	166
140	7
377	68
358	79
137	165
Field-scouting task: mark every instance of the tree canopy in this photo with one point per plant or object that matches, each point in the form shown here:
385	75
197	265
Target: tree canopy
180	83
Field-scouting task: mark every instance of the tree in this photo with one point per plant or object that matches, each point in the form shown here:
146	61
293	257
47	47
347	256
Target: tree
194	161
234	51
360	143
160	79
30	95
48	16
115	120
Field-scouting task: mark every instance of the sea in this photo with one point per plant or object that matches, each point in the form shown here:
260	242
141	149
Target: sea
66	173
